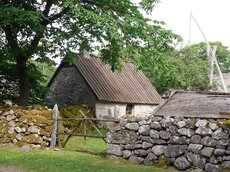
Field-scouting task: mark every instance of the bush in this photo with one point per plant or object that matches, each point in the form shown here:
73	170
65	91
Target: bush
228	122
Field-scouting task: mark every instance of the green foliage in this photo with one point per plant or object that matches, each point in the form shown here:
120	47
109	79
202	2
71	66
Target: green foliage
162	162
70	58
228	121
39	75
200	51
193	71
183	69
161	72
50	28
74	112
191	66
8	89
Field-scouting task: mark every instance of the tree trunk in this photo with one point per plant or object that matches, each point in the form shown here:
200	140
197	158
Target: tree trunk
24	84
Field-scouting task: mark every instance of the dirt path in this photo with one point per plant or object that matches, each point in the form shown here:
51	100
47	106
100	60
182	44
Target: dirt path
10	169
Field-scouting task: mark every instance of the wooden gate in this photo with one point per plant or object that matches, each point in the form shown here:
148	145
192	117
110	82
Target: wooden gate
55	141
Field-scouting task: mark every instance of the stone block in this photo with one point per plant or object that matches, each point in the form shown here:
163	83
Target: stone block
159	150
193	158
195	139
136	160
196	148
182	163
146	145
226	164
165	134
140	152
181	124
114	149
132	126
220	134
126	154
154	134
212	168
208	141
173	151
201	123
204	131
155	126
178	140
219	152
207	151
144	130
186	132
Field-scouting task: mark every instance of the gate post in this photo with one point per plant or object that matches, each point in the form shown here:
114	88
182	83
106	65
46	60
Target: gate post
55	126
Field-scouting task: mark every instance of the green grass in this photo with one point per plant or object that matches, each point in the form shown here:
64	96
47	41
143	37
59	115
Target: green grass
91	144
67	161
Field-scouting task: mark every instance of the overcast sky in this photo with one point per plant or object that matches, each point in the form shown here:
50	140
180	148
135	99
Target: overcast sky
212	15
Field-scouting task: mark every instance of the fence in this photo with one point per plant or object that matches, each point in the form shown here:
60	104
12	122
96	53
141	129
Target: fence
55	141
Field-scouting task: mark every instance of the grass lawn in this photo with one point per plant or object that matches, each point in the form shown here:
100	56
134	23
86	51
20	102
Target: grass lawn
66	161
91	144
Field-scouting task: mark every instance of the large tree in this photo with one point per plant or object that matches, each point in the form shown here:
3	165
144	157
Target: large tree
192	66
51	28
191	71
200	51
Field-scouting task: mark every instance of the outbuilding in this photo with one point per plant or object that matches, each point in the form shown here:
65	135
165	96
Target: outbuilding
196	104
91	82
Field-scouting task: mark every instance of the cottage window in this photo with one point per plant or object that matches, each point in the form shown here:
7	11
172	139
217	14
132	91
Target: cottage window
129	108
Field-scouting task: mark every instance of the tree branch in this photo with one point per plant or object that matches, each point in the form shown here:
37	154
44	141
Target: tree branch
54	17
34	43
12	41
59	15
47	8
91	2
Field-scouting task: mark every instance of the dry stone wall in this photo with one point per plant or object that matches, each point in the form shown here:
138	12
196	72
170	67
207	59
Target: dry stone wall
186	143
30	126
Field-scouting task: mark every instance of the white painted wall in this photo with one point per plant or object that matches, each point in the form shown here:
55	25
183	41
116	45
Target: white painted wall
143	110
118	110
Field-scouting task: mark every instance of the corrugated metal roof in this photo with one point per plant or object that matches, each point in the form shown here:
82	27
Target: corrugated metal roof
127	86
196	104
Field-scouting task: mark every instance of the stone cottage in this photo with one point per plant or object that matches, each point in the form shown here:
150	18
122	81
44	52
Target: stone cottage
92	83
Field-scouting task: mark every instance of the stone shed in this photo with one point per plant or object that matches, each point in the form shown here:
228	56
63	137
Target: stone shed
92	83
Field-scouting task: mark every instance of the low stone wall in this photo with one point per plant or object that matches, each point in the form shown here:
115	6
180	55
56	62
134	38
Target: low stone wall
25	126
186	143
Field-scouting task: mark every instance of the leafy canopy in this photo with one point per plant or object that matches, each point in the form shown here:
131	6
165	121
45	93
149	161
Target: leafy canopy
51	28
200	51
192	66
55	28
192	71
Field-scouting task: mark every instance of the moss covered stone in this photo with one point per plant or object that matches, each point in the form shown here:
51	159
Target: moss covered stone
74	112
32	117
32	138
